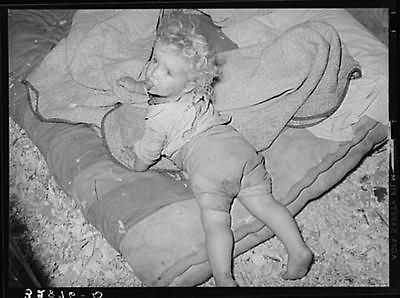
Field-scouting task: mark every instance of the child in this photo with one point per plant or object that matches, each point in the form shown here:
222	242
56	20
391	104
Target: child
183	125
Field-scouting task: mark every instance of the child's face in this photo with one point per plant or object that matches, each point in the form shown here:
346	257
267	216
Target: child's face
168	73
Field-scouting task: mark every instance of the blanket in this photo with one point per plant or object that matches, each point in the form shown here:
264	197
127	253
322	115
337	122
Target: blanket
296	78
75	83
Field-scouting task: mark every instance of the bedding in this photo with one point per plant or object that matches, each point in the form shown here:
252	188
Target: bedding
155	224
307	69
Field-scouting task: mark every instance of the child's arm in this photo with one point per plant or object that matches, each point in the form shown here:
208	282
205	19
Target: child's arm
132	85
148	149
140	166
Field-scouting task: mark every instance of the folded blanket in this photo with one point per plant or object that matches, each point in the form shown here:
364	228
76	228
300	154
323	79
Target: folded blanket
301	76
298	78
76	81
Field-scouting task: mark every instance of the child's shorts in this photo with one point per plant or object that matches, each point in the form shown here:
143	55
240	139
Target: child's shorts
222	165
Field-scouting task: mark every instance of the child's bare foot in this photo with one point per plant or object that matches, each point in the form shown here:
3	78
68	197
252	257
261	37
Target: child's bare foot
299	263
226	280
226	283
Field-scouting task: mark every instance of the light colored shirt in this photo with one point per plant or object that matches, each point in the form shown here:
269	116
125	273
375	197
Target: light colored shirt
168	126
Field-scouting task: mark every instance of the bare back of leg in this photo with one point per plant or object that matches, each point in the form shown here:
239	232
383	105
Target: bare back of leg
219	238
264	207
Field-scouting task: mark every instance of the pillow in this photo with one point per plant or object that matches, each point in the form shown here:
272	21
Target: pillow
152	218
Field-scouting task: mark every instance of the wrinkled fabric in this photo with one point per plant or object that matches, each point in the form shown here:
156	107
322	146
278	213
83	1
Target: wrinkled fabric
165	246
169	126
221	165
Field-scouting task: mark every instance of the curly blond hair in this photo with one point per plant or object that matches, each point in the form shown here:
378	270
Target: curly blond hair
181	30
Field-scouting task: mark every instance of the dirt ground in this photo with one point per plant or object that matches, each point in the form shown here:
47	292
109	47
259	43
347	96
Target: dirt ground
347	229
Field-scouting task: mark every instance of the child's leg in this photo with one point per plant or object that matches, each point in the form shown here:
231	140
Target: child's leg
219	239
281	222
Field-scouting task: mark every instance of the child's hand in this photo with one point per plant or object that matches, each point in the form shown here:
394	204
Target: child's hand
128	155
131	160
129	83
